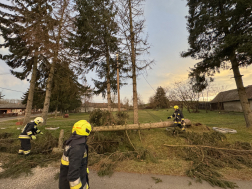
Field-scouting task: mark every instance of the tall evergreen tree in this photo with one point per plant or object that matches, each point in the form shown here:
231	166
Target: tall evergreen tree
66	90
25	27
96	39
38	97
160	99
220	37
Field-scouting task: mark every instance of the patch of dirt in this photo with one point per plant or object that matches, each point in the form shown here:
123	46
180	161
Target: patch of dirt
197	124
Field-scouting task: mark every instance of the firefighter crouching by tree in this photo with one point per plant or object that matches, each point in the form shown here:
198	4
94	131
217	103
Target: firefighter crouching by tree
29	133
73	168
178	118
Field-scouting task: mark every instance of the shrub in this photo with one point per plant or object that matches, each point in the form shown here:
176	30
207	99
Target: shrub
101	117
122	118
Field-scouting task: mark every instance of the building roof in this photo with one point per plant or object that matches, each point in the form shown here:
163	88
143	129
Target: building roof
231	95
12	106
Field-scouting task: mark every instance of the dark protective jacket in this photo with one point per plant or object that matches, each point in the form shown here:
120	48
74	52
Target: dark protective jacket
73	168
29	130
178	116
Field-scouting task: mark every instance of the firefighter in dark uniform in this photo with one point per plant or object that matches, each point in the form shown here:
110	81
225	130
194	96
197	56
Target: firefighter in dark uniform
178	118
73	168
29	133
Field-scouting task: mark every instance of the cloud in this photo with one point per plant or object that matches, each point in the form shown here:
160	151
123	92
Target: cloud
226	78
10	86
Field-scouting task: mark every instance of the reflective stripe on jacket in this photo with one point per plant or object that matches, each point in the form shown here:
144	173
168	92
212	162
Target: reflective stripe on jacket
178	116
73	168
24	137
29	129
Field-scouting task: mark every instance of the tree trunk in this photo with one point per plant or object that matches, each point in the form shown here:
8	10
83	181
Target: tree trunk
241	91
31	92
108	80
55	59
138	126
57	105
133	59
207	103
56	112
48	92
118	84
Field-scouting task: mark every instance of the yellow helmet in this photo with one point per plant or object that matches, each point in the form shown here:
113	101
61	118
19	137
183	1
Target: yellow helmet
176	107
82	127
38	120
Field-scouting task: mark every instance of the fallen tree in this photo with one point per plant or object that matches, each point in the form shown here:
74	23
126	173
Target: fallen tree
138	126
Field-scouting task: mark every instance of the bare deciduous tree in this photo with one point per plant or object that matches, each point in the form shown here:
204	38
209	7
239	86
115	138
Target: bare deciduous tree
131	24
183	91
126	103
62	14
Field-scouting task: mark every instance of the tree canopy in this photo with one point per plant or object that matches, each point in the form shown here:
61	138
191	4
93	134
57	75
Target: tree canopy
25	28
220	37
218	30
66	91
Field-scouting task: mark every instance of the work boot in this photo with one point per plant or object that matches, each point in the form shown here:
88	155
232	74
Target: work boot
26	153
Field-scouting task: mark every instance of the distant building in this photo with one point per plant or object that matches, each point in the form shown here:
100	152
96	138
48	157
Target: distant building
177	103
88	107
229	100
12	108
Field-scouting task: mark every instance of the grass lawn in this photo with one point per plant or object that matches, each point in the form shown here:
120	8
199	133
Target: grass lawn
168	161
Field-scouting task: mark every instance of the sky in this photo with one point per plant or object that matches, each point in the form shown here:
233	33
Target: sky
166	28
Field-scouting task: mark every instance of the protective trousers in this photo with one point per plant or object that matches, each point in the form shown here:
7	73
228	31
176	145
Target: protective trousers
179	125
25	146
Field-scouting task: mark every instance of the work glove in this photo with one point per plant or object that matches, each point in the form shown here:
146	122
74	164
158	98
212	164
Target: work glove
169	117
33	137
87	171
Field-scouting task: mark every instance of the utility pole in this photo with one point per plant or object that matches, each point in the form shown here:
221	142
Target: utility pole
118	84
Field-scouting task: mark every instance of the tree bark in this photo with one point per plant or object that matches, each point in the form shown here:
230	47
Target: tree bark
108	80
31	92
50	78
57	105
56	112
48	92
118	84
241	91
133	59
137	126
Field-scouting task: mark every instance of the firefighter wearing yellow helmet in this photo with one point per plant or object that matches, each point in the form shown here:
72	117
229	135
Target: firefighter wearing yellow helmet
29	133
73	168
178	118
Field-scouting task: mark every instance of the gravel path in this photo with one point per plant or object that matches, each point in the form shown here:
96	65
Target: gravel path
43	178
